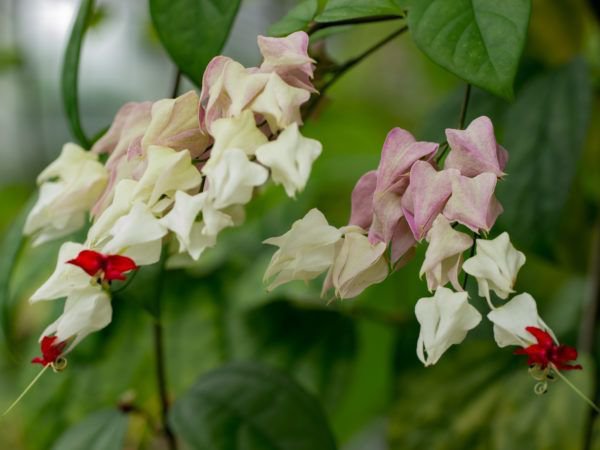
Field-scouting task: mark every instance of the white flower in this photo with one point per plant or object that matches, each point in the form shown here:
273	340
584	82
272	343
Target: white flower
279	103
495	266
66	278
305	251
69	188
511	320
121	205
181	220
85	312
445	320
168	171
443	257
290	158
357	264
233	178
235	132
137	235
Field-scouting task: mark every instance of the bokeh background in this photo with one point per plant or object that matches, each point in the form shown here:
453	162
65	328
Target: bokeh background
357	357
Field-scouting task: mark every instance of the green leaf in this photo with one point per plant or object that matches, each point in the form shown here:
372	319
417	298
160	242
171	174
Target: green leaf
297	19
103	430
70	70
12	245
250	407
544	133
337	10
193	31
480	41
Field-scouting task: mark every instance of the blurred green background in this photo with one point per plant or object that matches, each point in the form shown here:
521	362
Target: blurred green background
358	357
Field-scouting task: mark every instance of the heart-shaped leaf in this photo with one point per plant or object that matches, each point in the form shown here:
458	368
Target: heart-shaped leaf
250	407
480	41
337	10
103	430
193	31
544	133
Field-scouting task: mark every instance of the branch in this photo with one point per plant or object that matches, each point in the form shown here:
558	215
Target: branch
340	70
316	26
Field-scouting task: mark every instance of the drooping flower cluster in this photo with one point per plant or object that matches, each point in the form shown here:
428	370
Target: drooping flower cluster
410	199
183	167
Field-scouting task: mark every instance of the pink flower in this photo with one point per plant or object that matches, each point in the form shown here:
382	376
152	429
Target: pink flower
426	197
474	150
288	57
473	202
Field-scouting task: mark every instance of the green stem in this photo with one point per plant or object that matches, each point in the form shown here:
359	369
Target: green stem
27	389
577	391
343	68
316	26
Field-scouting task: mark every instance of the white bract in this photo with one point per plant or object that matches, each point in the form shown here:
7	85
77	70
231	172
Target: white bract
305	251
445	320
357	265
86	311
290	158
232	180
443	257
511	320
66	278
495	266
69	187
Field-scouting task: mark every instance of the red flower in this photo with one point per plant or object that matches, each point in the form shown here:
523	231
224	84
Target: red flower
110	267
51	351
546	352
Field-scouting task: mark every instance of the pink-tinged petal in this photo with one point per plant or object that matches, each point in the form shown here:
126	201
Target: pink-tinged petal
288	57
403	244
129	124
426	196
472	202
362	200
400	151
475	150
213	71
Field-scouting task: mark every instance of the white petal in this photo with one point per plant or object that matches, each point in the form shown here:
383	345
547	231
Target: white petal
495	266
305	251
233	179
511	320
66	277
86	311
290	158
138	227
445	320
235	132
168	171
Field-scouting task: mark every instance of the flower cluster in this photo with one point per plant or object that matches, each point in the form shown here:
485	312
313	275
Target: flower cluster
182	167
410	199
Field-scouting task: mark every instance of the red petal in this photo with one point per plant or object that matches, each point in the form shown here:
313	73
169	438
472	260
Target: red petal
116	265
541	336
90	261
51	351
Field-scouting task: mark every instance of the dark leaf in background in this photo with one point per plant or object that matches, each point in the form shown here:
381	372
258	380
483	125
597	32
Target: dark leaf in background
103	430
70	70
482	401
353	9
193	31
297	19
11	247
544	133
300	17
480	41
250	407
